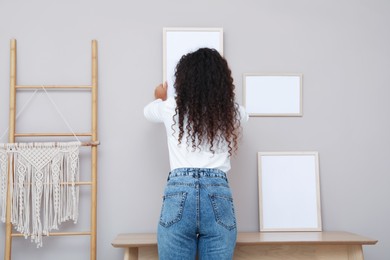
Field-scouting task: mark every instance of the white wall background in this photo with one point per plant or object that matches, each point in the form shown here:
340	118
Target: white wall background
341	47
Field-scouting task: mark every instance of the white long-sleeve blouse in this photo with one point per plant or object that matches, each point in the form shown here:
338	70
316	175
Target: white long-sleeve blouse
181	155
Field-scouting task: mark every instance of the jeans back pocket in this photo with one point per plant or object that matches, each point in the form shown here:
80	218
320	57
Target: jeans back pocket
223	210
172	208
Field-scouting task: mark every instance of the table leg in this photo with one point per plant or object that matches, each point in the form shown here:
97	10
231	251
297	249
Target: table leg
131	253
355	252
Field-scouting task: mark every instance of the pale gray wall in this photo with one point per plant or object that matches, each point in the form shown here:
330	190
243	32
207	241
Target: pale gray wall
341	47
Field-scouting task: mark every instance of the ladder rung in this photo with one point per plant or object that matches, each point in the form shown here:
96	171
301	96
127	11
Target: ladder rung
51	134
91	143
76	183
58	234
66	183
53	87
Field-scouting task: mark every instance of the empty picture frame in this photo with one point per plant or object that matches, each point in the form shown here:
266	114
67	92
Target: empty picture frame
273	95
180	41
289	191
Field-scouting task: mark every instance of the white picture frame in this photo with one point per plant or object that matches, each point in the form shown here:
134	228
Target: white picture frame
182	40
289	191
273	94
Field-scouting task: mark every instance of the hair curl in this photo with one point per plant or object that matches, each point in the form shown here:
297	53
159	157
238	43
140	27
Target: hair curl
205	99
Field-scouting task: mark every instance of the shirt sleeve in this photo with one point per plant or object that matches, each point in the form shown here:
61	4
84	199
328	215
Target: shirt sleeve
243	114
153	111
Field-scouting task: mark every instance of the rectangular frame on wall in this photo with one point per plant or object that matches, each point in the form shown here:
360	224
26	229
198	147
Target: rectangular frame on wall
182	40
273	94
289	191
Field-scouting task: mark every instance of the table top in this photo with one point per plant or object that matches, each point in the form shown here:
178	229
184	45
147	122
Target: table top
325	238
260	238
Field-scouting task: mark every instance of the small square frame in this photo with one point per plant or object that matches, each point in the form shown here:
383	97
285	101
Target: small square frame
273	94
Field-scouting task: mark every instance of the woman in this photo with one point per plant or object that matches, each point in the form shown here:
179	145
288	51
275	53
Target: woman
203	124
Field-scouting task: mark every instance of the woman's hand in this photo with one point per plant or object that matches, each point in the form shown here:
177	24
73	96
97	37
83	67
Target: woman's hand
160	91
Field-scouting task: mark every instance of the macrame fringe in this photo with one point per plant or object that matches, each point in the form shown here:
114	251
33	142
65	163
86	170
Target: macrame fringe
3	181
44	193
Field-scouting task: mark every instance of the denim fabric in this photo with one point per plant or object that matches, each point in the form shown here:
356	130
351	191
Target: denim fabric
197	216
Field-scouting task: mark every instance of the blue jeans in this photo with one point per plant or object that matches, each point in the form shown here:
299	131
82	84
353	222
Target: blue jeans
197	216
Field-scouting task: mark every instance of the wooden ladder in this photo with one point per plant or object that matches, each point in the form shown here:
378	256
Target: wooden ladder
93	143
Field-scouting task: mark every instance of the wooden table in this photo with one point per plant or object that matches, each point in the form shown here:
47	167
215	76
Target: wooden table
266	245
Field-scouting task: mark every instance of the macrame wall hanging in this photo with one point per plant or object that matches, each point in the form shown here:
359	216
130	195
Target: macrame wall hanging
44	193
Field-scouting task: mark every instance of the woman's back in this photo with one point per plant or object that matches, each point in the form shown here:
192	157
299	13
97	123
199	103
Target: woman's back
202	120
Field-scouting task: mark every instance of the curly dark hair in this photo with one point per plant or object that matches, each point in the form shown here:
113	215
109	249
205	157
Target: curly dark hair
205	99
